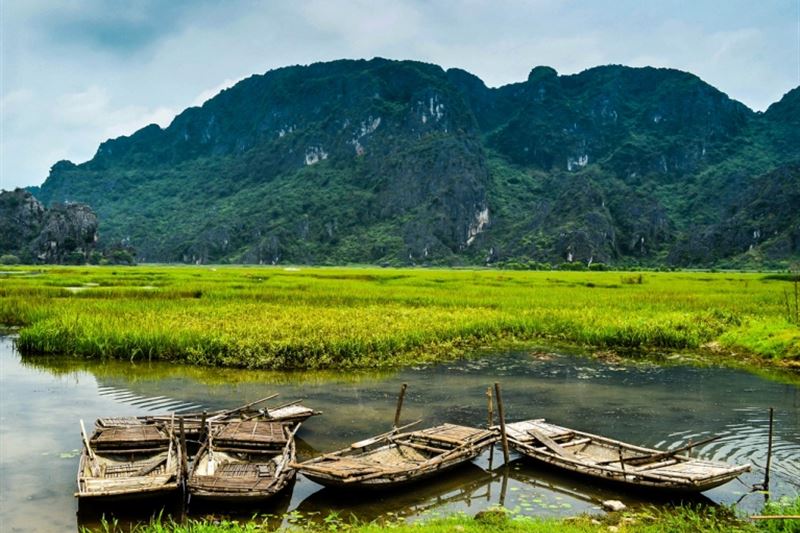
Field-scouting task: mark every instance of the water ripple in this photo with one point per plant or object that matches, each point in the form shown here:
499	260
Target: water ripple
162	404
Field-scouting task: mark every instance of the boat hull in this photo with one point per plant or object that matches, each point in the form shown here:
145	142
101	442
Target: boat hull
387	484
616	462
393	460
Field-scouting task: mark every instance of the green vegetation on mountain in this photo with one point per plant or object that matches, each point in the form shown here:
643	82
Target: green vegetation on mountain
401	162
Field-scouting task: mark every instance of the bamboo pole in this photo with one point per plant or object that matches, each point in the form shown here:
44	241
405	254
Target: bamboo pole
490	421
501	417
184	458
229	412
171	439
86	441
89	452
769	452
490	414
399	405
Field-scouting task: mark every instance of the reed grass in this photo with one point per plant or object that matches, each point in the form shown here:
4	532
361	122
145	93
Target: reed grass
277	318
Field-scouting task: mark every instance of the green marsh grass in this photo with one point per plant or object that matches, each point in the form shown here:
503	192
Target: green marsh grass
680	519
313	318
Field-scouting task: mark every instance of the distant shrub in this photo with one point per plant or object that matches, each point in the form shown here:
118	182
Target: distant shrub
75	258
9	259
598	267
95	258
121	257
572	266
632	280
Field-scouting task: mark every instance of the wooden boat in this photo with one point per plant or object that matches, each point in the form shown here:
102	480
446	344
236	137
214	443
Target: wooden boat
244	460
292	412
129	462
394	458
615	461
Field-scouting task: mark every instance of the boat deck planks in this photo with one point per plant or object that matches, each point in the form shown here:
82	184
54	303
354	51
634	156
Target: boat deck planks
252	433
129	437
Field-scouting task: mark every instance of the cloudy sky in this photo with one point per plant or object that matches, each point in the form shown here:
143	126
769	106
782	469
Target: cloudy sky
76	72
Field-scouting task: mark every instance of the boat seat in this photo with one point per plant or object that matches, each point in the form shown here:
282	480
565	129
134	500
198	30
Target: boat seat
143	435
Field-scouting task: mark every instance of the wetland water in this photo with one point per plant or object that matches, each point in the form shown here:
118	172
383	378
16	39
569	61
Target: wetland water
41	400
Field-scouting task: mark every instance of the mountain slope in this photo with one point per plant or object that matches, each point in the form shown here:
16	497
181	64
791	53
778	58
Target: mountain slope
402	162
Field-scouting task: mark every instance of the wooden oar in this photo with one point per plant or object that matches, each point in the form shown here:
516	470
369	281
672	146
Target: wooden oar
548	442
171	438
643	459
266	412
377	438
223	414
286	452
146	469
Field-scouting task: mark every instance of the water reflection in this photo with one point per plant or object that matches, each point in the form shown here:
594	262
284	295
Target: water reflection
641	403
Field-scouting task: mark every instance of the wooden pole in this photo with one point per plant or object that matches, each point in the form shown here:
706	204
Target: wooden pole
490	422
202	426
184	458
769	453
184	466
502	418
243	407
89	452
86	441
171	439
490	414
399	405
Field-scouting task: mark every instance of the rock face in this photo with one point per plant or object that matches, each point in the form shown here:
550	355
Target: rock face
401	162
63	233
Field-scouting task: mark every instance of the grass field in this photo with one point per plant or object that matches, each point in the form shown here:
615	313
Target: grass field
271	317
680	519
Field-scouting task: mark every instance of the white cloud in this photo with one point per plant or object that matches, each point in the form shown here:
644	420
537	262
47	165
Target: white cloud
65	90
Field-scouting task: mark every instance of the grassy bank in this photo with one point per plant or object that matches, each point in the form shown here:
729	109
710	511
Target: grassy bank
340	317
646	520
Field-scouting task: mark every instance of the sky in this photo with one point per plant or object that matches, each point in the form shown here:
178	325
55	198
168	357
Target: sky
74	73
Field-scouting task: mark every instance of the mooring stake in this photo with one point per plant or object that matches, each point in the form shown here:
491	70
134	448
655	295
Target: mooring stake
769	453
490	414
502	418
490	422
184	466
399	405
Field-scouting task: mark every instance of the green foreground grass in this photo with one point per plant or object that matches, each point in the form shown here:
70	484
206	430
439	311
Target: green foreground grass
646	520
280	318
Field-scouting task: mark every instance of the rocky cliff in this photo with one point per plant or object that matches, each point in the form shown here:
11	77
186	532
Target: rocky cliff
64	233
402	162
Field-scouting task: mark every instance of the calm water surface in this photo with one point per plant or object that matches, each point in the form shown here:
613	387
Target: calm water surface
41	400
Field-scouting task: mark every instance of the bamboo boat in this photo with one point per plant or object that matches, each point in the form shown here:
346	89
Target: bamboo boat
292	412
244	461
393	459
129	462
618	462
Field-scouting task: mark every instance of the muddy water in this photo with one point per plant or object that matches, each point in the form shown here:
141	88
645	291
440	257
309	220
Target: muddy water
41	400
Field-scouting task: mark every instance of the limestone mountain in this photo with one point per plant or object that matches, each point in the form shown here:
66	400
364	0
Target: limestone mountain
64	233
402	162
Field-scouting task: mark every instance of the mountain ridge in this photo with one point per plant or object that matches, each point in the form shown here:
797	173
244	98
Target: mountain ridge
398	162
